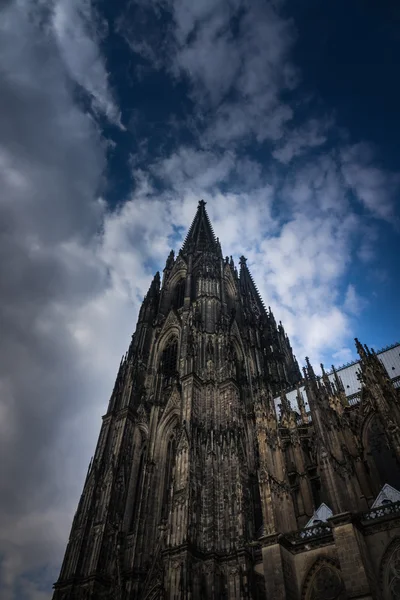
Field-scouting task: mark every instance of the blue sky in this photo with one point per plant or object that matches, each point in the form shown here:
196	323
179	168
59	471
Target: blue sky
115	119
341	97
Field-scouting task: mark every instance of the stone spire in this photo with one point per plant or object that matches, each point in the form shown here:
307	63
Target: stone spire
201	236
248	287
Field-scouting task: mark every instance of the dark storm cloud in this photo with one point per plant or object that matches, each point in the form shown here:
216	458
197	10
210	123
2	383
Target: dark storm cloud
51	162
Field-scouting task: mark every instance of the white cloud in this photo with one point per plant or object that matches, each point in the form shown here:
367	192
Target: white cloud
344	356
375	187
76	26
295	143
198	169
353	302
51	164
235	56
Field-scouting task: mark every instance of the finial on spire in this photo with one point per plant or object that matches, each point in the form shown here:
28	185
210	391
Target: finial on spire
242	261
202	203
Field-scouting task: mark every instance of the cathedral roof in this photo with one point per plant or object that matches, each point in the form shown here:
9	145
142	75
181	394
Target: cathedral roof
200	235
390	357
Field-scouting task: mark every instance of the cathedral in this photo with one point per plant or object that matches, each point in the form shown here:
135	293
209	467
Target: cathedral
222	470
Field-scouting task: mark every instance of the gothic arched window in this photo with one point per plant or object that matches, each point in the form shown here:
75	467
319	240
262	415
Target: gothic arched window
138	487
257	510
391	575
384	460
179	294
169	359
324	582
316	490
169	465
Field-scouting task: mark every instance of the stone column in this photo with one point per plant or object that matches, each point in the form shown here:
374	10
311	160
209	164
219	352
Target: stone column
273	567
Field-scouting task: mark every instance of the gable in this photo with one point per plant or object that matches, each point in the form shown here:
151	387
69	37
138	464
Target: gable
230	282
322	513
388	494
178	270
171	321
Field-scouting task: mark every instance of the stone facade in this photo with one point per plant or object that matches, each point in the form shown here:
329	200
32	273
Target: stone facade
200	488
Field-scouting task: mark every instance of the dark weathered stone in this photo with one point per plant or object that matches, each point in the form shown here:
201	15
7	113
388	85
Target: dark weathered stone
198	489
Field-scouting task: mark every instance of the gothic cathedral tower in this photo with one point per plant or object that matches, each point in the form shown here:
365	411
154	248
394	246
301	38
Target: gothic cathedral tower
172	496
192	464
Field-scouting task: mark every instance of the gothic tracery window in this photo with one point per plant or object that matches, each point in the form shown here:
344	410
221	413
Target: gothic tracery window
381	455
169	358
392	576
138	487
326	584
169	465
256	501
179	294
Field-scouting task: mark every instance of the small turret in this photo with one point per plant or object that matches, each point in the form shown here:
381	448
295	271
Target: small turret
285	406
170	261
301	405
310	370
327	382
150	300
249	289
362	351
338	381
154	288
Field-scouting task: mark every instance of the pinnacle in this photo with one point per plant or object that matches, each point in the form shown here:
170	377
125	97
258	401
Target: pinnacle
247	283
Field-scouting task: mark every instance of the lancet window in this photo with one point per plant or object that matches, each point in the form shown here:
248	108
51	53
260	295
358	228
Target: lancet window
138	487
169	359
179	294
257	511
384	460
169	465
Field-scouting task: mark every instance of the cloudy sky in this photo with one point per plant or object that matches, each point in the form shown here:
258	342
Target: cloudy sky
115	119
